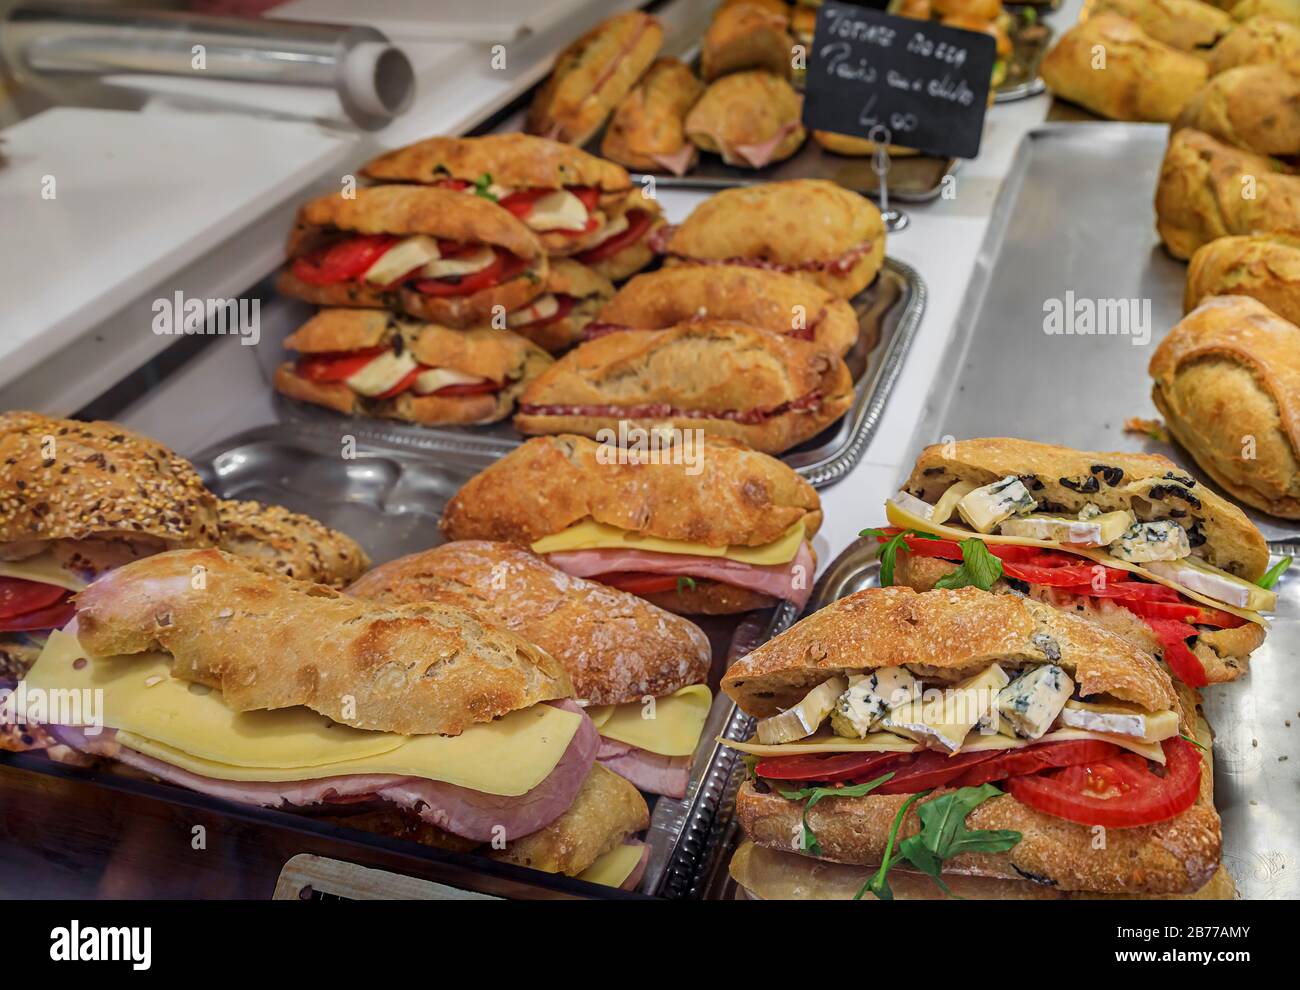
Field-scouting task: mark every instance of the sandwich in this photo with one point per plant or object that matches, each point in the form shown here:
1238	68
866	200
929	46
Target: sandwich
767	300
1199	197
639	670
560	192
770	392
1188	25
593	75
647	132
271	539
1263	266
1287	10
1128	541
373	363
1144	79
1253	107
626	243
857	147
436	254
1258	41
558	318
1231	370
709	529
750	118
321	702
747	35
816	230
973	734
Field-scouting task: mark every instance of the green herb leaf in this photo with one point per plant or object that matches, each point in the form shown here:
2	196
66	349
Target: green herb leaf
879	884
944	833
889	550
685	583
979	568
1275	572
807	840
1193	742
482	187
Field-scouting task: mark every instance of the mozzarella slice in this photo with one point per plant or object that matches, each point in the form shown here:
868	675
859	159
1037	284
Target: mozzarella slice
983	508
1097	531
465	264
1219	585
428	382
560	210
612	229
541	308
382	373
404	256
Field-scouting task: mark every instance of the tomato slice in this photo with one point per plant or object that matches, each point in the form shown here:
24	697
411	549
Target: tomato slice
455	184
336	365
639	583
503	268
563	307
830	768
1055	577
1173	635
54	616
521	201
345	260
1033	759
589	195
930	769
19	596
407	381
1118	792
638	222
473	388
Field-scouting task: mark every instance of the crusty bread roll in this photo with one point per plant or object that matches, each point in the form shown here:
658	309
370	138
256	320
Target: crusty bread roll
1258	41
648	131
746	35
1263	266
272	539
1286	10
1253	107
1227	381
750	118
1188	25
586	289
1140	79
630	257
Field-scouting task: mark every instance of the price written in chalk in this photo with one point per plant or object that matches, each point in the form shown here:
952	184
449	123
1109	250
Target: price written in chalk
928	84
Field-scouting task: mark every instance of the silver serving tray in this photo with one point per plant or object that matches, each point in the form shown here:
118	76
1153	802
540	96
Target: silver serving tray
1256	723
889	312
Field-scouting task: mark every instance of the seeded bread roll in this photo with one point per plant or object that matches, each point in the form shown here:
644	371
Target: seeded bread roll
272	539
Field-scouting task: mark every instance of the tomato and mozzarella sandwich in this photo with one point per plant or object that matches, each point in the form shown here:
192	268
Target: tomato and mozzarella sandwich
558	318
261	691
712	528
639	670
561	193
627	243
371	362
961	732
436	254
1127	540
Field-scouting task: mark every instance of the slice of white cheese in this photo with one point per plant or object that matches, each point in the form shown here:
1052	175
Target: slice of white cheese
382	373
1098	531
983	508
1219	585
1119	718
910	503
615	866
462	264
612	229
592	535
541	308
559	210
676	726
804	718
428	382
947	504
1032	701
942	720
43	569
1160	539
404	256
870	698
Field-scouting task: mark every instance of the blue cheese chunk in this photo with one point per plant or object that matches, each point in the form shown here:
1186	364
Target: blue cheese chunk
943	719
1161	539
1031	702
870	697
983	508
1095	531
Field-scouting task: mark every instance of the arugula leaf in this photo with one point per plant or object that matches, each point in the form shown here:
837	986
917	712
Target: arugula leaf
889	550
978	567
685	583
1275	572
482	187
807	840
879	884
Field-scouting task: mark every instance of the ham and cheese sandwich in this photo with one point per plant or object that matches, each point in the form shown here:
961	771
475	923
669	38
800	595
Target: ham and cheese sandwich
747	34
810	228
751	119
315	700
969	733
729	379
638	669
436	254
720	529
767	300
592	75
561	193
558	318
1129	541
370	362
647	132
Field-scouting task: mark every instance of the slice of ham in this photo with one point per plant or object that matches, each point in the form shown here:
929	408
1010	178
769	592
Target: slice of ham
792	581
680	161
459	810
650	772
759	153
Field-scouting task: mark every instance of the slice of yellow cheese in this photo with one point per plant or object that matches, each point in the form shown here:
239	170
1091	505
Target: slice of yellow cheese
42	568
674	730
592	535
191	726
905	520
611	869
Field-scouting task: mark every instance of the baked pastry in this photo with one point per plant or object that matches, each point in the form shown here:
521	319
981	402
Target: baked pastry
1187	25
1264	266
648	131
727	378
1209	190
1143	79
369	362
771	301
1227	381
592	76
857	147
712	528
271	539
811	228
1286	10
749	118
746	35
627	244
434	253
556	319
1253	107
1258	41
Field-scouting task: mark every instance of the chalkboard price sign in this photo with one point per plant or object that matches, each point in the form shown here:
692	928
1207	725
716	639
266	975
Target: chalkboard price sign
926	83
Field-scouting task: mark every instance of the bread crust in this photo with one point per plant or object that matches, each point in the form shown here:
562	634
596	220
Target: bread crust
1257	41
746	36
649	124
1232	542
1228	370
617	647
747	108
1253	107
771	301
1265	267
1144	79
705	367
590	291
271	539
592	75
68	480
963	629
740	497
1188	25
266	642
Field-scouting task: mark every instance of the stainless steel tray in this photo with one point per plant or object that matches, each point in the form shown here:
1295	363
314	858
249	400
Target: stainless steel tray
889	312
1256	723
